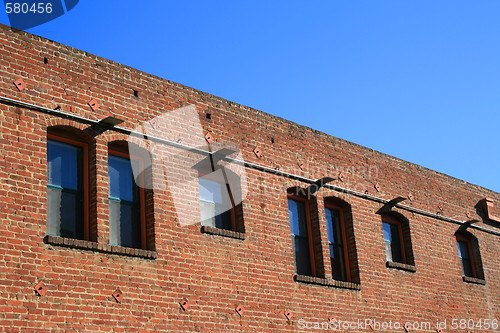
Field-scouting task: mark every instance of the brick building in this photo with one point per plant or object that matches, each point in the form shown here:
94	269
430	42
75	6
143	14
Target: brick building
320	234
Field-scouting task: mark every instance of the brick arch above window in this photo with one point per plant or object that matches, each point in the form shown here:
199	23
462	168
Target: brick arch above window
70	132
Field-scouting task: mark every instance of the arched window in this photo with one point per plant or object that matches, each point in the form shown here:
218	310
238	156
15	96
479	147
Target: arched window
342	249
469	255
127	200
397	239
220	197
67	183
302	212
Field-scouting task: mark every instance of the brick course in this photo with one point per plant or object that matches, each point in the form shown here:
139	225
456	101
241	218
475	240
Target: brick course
216	272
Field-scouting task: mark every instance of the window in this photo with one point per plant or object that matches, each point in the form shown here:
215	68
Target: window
342	246
67	187
300	226
216	204
465	255
469	255
393	241
127	219
397	240
220	198
337	242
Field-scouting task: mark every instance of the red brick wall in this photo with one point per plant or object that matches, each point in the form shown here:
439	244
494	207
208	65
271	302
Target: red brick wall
213	272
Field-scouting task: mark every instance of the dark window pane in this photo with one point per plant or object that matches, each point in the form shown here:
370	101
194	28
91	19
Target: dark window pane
397	255
65	194
338	263
223	221
130	231
302	258
71	215
124	204
463	253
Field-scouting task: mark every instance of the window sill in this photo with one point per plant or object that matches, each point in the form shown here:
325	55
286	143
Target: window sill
470	279
222	232
326	282
401	266
98	247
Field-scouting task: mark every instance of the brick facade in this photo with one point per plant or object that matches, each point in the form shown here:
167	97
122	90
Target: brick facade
216	271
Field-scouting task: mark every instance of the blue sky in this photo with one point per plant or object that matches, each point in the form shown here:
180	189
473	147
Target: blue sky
419	80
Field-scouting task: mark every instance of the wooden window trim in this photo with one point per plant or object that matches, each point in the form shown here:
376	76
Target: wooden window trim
142	195
402	240
85	180
467	241
309	231
344	239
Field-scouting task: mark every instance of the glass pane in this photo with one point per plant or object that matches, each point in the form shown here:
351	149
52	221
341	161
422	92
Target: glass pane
215	204
114	222
64	214
121	181
71	215
392	242
210	190
207	212
124	204
463	250
337	261
302	258
130	226
298	226
467	267
297	214
387	231
64	193
463	253
397	255
333	225
223	221
123	227
388	251
63	165
53	212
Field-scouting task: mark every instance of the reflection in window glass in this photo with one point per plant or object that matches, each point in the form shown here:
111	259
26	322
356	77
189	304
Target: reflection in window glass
337	258
392	242
298	226
124	204
463	253
65	202
215	204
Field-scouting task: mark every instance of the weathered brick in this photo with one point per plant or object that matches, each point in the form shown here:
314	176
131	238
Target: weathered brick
215	272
